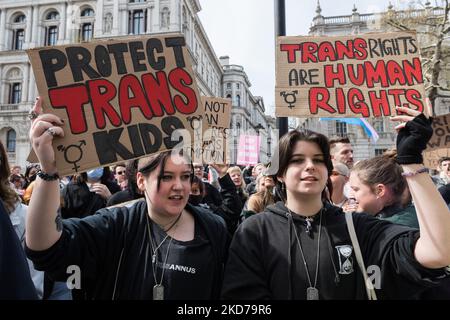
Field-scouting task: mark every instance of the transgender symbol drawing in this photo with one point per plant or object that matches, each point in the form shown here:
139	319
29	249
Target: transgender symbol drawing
73	153
290	98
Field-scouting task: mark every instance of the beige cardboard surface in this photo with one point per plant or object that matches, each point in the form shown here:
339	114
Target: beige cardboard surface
348	76
120	98
215	139
431	158
441	133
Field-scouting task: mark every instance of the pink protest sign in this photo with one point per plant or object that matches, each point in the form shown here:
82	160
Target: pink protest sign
248	150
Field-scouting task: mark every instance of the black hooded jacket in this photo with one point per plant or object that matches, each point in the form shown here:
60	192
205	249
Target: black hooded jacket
114	256
265	261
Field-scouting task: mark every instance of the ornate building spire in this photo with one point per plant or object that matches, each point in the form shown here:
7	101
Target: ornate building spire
390	6
318	9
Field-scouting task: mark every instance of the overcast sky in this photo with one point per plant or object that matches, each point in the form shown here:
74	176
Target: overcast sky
244	30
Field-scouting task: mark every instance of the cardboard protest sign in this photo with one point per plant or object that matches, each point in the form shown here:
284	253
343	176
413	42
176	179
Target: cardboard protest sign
348	76
431	158
248	152
214	148
441	133
120	99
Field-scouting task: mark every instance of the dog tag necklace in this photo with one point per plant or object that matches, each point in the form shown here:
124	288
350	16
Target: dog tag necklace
154	247
312	293
158	288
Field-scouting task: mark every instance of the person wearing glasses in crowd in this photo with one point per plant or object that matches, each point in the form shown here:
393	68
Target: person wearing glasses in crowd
120	175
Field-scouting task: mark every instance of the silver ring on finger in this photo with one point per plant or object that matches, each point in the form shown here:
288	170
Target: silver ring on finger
51	131
32	115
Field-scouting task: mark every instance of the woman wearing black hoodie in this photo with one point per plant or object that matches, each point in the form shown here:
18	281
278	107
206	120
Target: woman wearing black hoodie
301	248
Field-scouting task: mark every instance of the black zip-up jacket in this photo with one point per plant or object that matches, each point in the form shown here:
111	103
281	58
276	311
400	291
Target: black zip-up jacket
111	249
265	262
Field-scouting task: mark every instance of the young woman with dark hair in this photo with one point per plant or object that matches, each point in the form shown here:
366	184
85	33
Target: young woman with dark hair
160	248
301	248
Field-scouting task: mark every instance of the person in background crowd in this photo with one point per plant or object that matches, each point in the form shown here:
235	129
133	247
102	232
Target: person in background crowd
339	177
120	176
300	248
87	193
230	207
342	151
212	195
247	174
16	170
378	187
238	180
132	192
256	171
263	197
30	175
443	168
16	182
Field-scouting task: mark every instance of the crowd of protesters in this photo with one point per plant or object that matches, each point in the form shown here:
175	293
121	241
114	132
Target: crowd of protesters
161	227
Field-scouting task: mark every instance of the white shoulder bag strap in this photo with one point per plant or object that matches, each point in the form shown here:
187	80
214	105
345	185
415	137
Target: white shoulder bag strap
351	229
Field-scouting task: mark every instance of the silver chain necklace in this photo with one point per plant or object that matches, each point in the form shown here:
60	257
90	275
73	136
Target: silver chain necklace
158	288
154	247
312	293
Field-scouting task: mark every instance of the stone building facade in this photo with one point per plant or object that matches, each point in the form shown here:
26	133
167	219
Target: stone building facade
34	23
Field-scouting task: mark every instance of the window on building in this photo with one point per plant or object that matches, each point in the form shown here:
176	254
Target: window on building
379	152
238	86
15	93
238	100
341	129
19	38
20	18
11	141
228	85
228	96
137	23
86	32
88	12
165	18
18	31
51	35
53	15
378	125
137	1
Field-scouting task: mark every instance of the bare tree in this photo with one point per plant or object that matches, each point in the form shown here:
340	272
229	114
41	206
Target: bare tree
432	26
